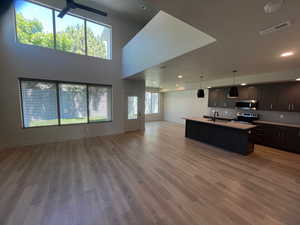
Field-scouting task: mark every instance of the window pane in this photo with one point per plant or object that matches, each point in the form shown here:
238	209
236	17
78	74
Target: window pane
99	103
70	34
34	24
98	40
39	101
73	103
155	103
148	103
132	107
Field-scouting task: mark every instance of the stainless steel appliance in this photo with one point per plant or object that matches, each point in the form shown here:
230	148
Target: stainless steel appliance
246	117
247	104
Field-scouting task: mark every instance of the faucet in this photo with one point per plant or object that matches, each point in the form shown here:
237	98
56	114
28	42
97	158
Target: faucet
215	115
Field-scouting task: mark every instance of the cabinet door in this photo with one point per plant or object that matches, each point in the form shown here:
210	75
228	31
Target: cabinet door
230	102
293	139
254	92
258	135
269	95
221	100
274	136
212	98
294	97
285	97
243	93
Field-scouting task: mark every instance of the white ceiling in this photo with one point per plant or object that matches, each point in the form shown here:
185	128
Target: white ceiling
137	10
236	25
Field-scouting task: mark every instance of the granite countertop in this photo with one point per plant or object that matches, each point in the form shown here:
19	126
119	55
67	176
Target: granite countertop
231	124
277	124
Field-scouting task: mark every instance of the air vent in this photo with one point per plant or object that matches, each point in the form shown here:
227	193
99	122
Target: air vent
276	28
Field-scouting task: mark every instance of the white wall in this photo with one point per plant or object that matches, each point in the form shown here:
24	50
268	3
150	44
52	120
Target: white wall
19	60
180	104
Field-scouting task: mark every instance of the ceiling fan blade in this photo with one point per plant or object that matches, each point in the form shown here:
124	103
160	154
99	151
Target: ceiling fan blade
5	5
64	12
99	12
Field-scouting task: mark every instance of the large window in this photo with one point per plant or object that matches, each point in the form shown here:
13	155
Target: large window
40	26
100	103
70	34
152	103
47	103
73	103
39	102
34	24
98	40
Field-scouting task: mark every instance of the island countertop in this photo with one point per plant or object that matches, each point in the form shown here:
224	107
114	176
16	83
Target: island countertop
231	124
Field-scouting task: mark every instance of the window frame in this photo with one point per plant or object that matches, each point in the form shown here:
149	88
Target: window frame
151	112
85	20
57	82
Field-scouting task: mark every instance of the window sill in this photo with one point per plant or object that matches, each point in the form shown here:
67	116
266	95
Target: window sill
66	125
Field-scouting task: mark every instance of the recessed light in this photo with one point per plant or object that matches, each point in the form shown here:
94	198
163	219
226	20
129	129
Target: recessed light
144	7
298	79
243	84
208	87
180	76
287	54
273	6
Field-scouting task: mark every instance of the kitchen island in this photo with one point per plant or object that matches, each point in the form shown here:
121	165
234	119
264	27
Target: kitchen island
231	136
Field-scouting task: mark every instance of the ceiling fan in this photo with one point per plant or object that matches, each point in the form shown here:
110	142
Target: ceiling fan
73	5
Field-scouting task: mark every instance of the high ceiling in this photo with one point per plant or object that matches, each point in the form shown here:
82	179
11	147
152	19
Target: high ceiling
137	10
236	25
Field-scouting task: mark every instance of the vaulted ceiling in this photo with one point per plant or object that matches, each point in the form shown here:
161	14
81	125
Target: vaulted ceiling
236	25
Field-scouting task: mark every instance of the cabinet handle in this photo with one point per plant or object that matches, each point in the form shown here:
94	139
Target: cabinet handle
293	107
271	106
289	107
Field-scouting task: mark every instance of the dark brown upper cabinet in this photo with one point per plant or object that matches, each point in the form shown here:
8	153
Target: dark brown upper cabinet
271	97
230	102
222	98
286	96
212	97
289	98
249	92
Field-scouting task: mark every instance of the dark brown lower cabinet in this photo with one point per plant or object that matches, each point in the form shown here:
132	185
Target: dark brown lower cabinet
293	137
285	138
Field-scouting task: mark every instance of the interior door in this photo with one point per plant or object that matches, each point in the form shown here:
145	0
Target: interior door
135	105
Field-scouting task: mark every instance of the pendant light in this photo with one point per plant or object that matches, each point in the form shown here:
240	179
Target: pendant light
233	92
200	92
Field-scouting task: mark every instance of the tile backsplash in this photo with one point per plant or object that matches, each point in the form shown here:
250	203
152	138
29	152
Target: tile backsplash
273	116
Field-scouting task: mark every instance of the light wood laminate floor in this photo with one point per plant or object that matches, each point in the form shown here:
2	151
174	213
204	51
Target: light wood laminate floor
157	177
